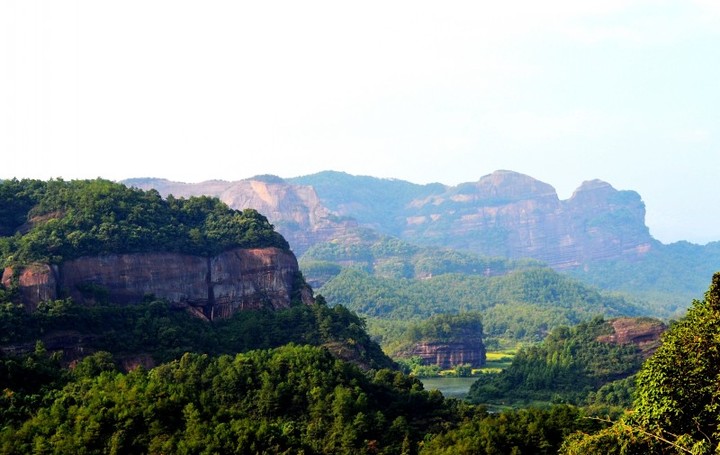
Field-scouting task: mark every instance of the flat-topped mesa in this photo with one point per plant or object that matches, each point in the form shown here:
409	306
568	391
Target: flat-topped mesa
448	354
642	332
214	287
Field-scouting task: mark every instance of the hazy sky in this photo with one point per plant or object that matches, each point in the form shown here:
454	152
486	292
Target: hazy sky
565	91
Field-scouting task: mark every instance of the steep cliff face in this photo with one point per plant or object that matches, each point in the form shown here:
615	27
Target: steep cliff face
448	354
215	287
294	210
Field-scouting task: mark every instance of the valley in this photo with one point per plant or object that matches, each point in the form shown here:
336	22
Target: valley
162	321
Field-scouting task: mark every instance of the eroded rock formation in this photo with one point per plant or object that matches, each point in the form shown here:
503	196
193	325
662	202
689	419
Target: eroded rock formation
449	354
643	332
513	215
215	287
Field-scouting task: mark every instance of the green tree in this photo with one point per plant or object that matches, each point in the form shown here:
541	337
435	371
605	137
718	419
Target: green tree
677	388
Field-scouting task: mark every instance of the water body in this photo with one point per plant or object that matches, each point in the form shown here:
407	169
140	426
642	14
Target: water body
450	387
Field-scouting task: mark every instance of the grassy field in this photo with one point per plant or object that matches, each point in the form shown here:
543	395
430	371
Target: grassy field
496	361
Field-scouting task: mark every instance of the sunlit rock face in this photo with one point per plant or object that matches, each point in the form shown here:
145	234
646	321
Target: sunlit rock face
504	214
214	287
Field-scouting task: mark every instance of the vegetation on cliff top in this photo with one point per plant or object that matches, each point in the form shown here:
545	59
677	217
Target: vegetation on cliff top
568	365
60	220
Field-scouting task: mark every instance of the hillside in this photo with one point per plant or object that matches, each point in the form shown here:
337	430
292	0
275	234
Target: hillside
294	210
95	265
573	362
522	305
503	214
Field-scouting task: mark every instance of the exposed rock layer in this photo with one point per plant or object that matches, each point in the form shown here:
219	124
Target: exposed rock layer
642	332
448	354
216	287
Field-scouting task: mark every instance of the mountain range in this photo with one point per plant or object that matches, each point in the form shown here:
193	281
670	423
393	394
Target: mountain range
598	234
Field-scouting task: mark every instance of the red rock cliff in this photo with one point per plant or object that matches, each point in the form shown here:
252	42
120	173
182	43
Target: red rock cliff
215	287
448	354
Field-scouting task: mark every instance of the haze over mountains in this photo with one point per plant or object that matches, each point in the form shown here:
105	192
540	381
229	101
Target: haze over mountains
503	214
598	234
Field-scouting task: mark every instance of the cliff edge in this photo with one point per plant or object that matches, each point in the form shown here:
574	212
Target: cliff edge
211	287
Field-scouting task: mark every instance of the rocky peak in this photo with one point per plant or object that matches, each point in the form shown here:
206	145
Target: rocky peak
511	186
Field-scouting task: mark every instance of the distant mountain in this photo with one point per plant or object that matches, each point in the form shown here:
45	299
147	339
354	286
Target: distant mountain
503	214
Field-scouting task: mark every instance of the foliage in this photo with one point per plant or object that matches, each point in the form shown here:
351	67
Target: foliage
663	280
523	305
566	366
292	399
25	383
677	394
677	388
389	257
526	431
165	333
65	220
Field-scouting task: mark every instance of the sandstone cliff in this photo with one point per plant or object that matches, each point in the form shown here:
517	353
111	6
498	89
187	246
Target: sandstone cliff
643	332
213	287
448	354
513	215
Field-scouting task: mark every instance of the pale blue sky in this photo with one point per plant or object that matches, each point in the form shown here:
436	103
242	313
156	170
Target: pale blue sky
565	91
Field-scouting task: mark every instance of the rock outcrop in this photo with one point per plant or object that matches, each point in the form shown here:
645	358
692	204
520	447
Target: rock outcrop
449	354
643	332
213	287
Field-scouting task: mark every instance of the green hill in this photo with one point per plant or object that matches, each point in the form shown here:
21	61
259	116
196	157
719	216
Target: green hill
57	220
569	364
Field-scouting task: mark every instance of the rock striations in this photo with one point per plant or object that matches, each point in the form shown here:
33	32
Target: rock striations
214	287
512	215
449	354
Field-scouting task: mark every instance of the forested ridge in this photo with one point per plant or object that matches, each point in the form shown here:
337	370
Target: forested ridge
570	365
59	220
308	379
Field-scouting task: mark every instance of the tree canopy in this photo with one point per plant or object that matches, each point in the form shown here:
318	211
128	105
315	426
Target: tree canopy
59	220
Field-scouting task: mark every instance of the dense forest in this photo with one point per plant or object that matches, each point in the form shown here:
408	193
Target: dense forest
523	305
151	378
296	399
569	366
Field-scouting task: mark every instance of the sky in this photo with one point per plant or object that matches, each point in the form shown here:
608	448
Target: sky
626	91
